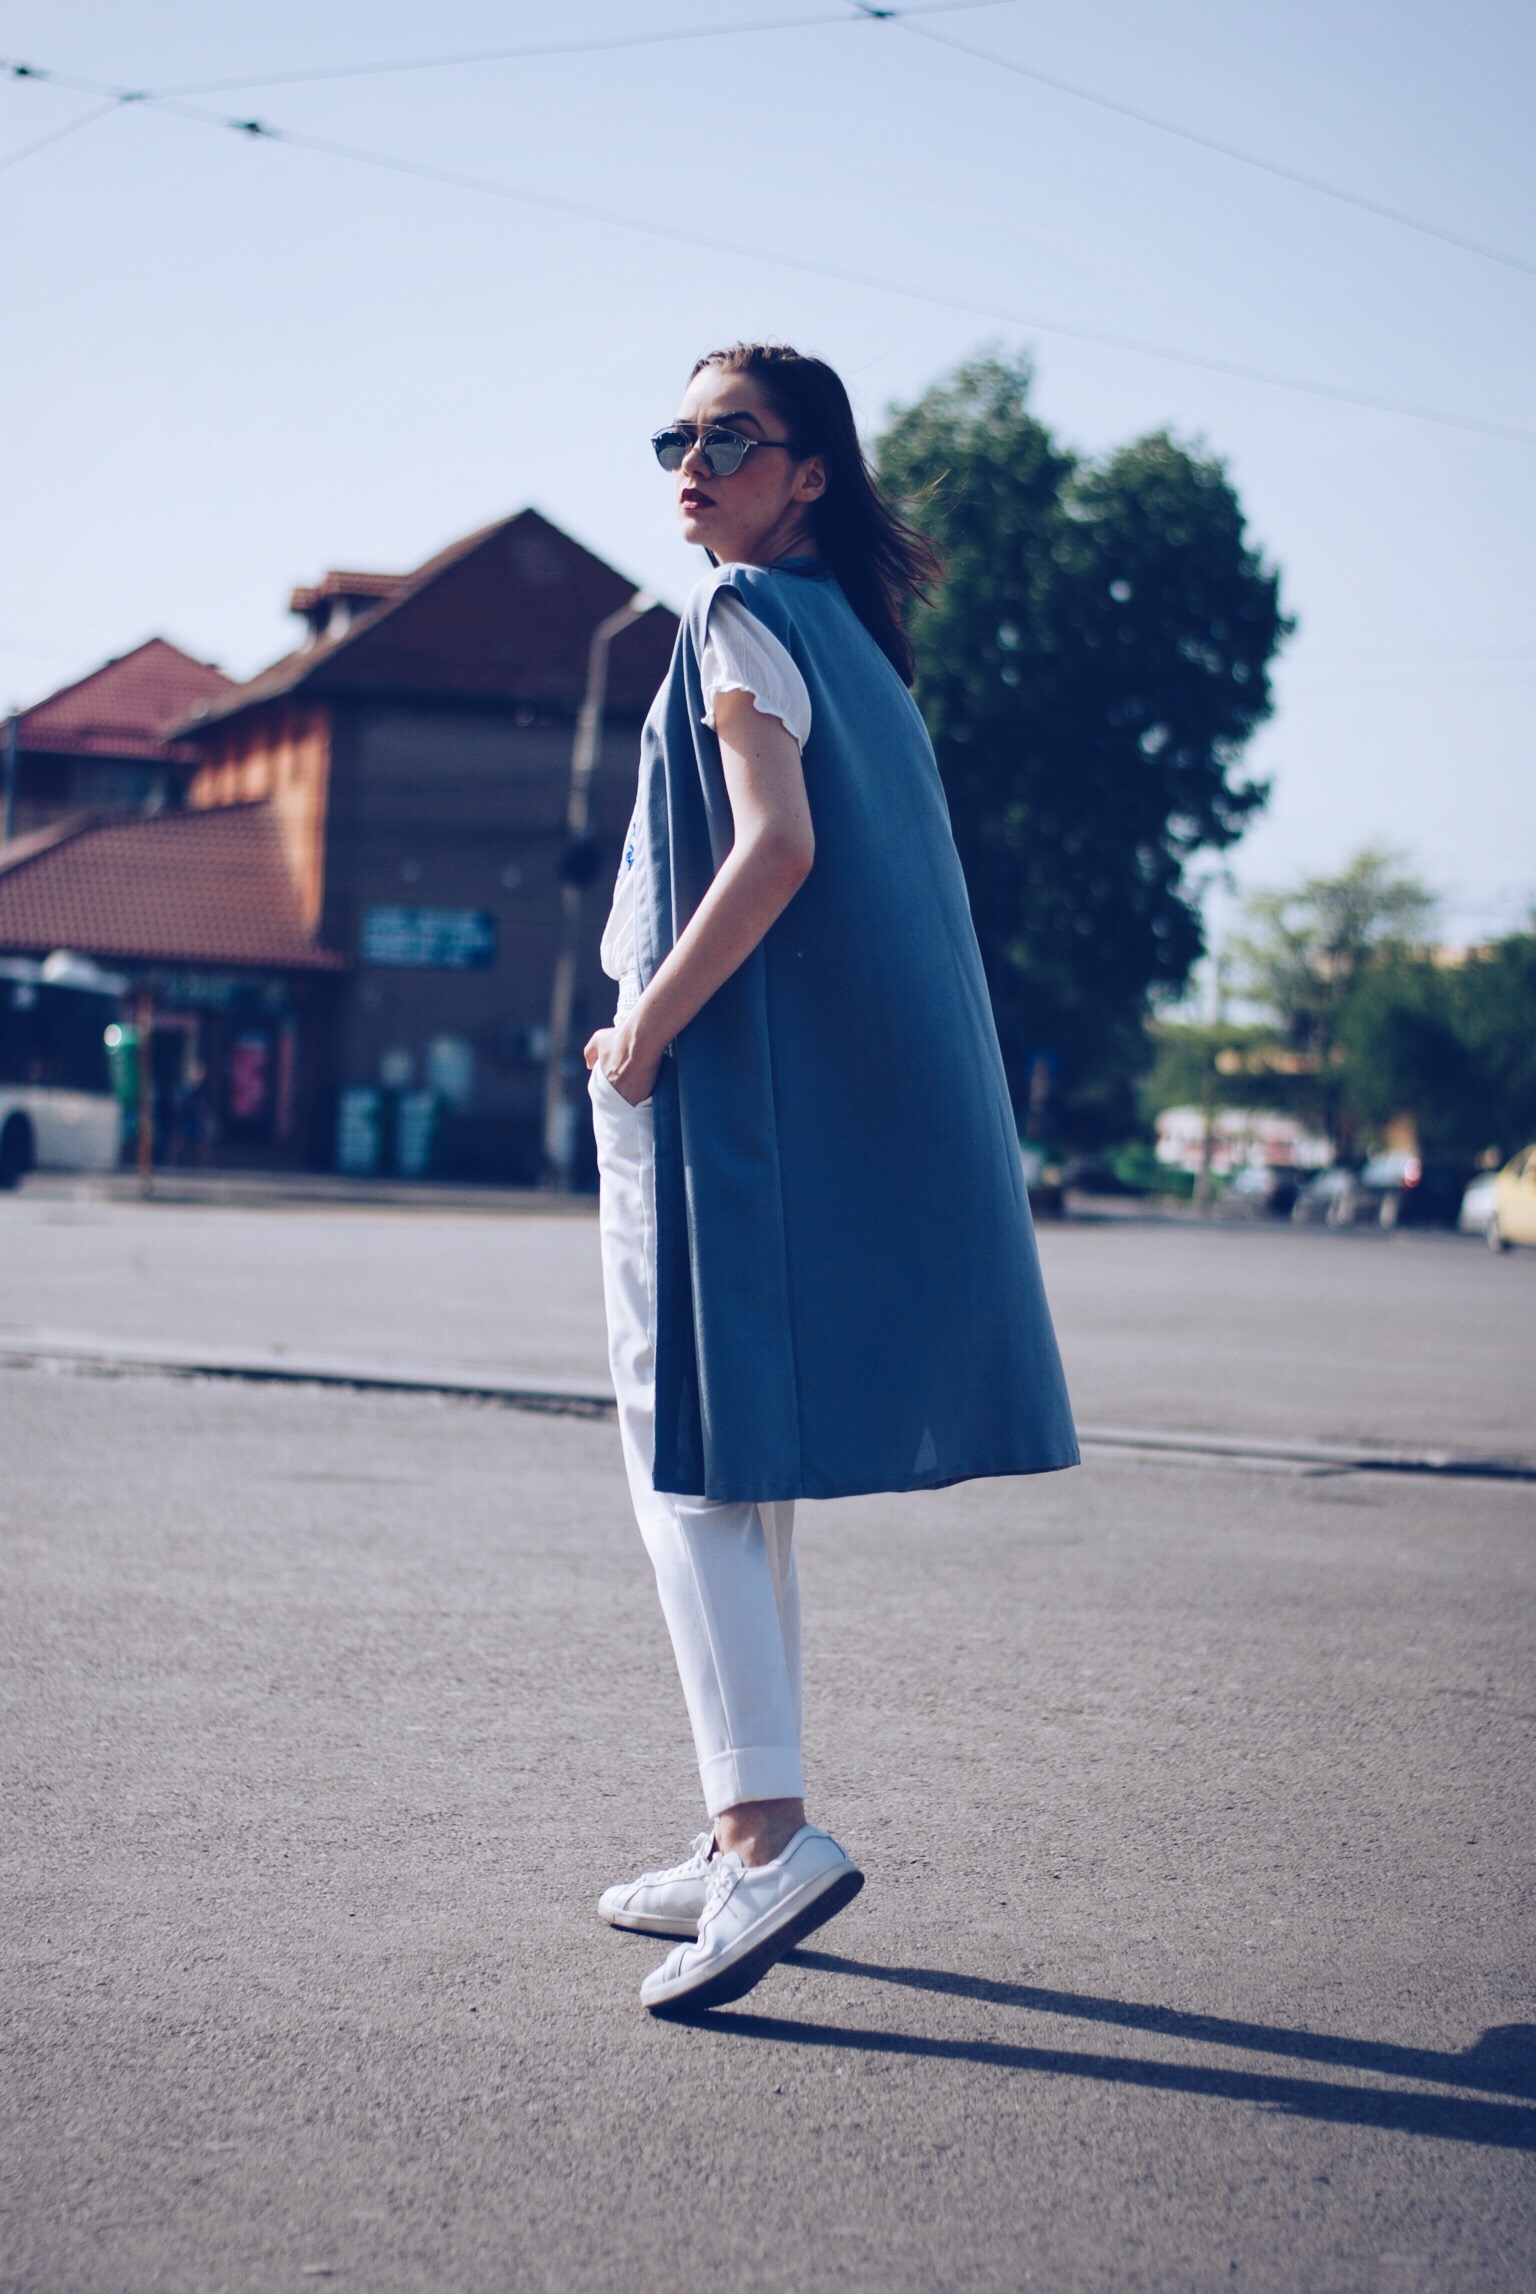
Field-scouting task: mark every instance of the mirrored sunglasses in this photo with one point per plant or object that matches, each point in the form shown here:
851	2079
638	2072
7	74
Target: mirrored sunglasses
724	451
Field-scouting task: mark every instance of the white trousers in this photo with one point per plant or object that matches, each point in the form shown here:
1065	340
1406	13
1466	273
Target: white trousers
725	1573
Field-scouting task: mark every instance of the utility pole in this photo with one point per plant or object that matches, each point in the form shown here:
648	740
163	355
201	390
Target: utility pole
575	874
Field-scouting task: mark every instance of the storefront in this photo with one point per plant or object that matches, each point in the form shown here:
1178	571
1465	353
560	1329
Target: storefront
196	914
225	1065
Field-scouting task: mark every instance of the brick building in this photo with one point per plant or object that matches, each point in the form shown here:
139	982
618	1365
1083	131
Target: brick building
102	741
200	910
397	789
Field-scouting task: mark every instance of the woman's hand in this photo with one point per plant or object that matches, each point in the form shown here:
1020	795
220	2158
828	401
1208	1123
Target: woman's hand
631	1070
770	858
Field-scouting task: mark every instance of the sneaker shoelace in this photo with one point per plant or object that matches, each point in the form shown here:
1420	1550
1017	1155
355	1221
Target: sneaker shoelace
724	1872
695	1862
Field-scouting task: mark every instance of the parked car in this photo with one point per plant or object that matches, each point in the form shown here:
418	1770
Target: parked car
1514	1213
1332	1199
1258	1191
1391	1190
1412	1193
1096	1175
1479	1204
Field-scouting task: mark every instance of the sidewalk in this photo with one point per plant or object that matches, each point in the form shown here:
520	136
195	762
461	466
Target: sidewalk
285	1190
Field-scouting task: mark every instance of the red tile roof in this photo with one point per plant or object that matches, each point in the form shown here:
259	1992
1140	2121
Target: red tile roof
124	708
355	588
505	615
178	887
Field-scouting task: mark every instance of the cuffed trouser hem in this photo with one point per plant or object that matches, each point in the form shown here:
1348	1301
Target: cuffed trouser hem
725	1571
761	1772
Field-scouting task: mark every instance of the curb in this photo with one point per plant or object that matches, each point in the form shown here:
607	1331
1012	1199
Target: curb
576	1398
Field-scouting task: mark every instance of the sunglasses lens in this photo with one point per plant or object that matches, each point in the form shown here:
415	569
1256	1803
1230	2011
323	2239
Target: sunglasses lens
725	452
722	450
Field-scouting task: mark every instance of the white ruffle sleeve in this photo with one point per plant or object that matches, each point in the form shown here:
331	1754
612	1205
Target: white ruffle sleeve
741	656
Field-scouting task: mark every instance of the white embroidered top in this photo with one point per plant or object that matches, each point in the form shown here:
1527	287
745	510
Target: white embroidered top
740	656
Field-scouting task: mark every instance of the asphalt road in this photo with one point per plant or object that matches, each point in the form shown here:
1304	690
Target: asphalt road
1194	1801
1270	1331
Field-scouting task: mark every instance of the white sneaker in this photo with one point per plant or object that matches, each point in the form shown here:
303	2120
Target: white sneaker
665	1903
753	1915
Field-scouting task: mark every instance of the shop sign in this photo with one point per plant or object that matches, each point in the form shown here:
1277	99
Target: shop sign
430	939
216	991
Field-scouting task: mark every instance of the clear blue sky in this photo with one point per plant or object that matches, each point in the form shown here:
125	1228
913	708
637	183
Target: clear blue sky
230	364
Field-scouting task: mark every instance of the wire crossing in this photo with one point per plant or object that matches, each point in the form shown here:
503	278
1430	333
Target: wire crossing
261	130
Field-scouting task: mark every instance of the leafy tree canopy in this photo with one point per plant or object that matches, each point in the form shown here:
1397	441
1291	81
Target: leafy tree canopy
1218	1064
1451	1044
1306	952
1371	1022
1305	949
1094	663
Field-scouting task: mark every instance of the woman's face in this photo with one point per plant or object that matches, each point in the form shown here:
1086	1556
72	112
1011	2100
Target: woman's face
762	510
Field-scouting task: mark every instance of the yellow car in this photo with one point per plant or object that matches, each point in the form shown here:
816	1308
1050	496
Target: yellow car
1514	1202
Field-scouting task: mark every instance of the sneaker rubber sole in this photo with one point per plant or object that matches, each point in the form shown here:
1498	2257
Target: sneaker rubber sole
739	1977
649	1924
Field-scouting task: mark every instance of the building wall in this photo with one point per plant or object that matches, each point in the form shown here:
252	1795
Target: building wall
50	787
463	810
281	752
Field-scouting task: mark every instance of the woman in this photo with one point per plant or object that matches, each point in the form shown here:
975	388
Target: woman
818	1263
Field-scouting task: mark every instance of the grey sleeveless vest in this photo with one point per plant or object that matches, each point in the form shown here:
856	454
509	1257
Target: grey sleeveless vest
848	1294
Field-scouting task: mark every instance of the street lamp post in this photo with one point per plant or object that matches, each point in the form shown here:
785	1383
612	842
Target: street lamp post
575	874
1205	1184
8	812
144	1036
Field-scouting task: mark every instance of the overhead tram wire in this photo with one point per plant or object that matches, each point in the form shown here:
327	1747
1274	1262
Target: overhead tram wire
852	12
389	163
855	12
261	130
70	127
1204	142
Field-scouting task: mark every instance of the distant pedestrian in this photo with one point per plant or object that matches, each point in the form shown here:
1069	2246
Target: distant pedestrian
818	1262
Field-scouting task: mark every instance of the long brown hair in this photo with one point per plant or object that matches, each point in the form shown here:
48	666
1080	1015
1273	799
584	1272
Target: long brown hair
882	562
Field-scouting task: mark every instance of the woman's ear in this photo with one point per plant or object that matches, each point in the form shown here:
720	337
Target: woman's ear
811	479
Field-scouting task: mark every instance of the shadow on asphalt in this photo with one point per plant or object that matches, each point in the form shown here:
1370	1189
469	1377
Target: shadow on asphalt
1502	2061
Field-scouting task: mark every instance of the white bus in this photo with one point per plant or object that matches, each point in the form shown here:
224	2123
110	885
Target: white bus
58	1027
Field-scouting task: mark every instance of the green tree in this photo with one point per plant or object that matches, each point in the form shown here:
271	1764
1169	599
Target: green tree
1090	670
1403	1053
1305	955
1220	1062
1496	999
1451	1044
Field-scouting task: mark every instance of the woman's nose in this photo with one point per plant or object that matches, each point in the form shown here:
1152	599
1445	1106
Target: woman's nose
693	461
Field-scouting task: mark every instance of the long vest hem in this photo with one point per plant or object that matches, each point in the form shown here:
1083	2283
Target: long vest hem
848	1295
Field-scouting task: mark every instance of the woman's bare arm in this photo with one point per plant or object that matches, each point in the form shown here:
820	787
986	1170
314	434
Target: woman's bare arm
767	864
